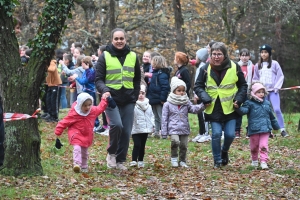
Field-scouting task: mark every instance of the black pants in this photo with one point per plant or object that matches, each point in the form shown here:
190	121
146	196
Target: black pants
139	143
104	119
53	100
1	134
44	100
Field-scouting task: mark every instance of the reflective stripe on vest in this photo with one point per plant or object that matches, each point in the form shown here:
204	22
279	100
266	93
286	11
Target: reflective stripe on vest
118	75
226	91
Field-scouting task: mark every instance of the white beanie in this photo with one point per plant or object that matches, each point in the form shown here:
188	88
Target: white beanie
202	54
176	82
81	98
143	88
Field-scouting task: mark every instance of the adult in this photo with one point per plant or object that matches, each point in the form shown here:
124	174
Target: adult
220	83
118	75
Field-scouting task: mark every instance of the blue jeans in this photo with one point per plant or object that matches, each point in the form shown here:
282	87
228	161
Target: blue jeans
120	120
229	135
63	97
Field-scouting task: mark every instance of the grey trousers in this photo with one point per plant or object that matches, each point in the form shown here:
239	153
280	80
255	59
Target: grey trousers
120	120
180	141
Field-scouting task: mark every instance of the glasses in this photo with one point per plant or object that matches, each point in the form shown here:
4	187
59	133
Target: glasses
120	38
217	55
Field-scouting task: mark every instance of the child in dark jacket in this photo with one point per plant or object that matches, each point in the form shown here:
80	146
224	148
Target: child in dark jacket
261	121
158	89
175	120
80	123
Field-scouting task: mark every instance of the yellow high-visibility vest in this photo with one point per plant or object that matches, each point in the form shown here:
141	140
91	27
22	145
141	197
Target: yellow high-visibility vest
118	75
226	91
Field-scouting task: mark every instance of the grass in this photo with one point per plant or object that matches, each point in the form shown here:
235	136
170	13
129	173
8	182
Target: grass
158	180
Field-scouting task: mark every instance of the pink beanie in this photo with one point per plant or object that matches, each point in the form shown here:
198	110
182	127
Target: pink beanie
257	86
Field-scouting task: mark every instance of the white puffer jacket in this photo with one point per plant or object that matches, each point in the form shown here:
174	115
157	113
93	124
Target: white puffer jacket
143	117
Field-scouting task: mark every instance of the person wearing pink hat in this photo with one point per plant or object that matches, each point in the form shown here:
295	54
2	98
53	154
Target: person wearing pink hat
261	121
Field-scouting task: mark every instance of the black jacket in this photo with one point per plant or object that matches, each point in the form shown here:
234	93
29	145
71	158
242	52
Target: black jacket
217	115
184	74
122	96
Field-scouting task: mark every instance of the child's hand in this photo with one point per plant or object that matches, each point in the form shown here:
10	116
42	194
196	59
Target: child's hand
148	74
106	95
206	105
235	104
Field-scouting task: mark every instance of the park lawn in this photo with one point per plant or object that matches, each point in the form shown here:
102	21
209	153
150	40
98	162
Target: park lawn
158	180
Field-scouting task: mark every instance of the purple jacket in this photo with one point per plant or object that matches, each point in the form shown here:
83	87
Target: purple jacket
175	120
272	81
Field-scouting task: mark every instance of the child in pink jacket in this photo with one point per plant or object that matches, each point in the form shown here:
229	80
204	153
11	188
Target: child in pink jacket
80	123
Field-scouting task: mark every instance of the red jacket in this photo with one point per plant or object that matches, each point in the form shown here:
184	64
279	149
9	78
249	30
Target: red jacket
80	128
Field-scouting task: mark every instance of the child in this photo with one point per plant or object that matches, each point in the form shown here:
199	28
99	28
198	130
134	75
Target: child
269	72
247	68
88	81
158	89
80	123
175	120
181	61
260	123
143	124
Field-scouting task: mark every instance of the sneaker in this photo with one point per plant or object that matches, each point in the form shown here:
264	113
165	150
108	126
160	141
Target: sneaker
111	161
284	133
133	164
254	163
45	115
237	134
84	170
174	162
157	136
224	157
271	135
183	164
217	165
97	129
264	165
141	164
51	119
105	132
204	138
197	138
121	166
76	168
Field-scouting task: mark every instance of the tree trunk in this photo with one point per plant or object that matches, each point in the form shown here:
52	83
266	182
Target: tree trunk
179	26
20	85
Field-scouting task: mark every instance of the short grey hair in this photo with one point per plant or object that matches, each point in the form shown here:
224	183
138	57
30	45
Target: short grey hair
118	29
219	46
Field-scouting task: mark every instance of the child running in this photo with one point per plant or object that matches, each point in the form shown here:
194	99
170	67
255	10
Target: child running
143	124
80	123
260	123
175	120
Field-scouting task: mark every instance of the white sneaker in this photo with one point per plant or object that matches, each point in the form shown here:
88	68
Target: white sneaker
174	162
197	138
183	164
254	163
106	132
111	160
141	164
204	138
264	165
121	166
133	164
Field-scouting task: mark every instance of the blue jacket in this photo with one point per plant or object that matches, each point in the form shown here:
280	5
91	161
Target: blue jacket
159	87
87	80
260	116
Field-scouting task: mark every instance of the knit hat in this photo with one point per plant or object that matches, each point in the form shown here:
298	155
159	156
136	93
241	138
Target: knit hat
267	48
143	88
255	87
202	54
175	82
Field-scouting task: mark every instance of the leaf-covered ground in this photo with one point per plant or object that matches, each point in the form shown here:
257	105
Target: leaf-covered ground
158	180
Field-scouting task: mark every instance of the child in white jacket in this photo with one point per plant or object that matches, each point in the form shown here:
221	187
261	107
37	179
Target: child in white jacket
143	124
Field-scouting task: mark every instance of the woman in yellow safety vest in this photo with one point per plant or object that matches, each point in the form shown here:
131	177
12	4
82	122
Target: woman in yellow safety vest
118	75
220	83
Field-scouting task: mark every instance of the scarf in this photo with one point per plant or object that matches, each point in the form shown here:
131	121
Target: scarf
118	52
143	104
178	99
224	64
249	65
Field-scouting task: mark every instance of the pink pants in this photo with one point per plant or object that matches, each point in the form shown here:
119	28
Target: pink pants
80	156
259	143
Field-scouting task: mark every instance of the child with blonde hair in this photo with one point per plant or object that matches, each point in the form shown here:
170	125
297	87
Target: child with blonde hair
175	121
80	124
158	89
261	121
